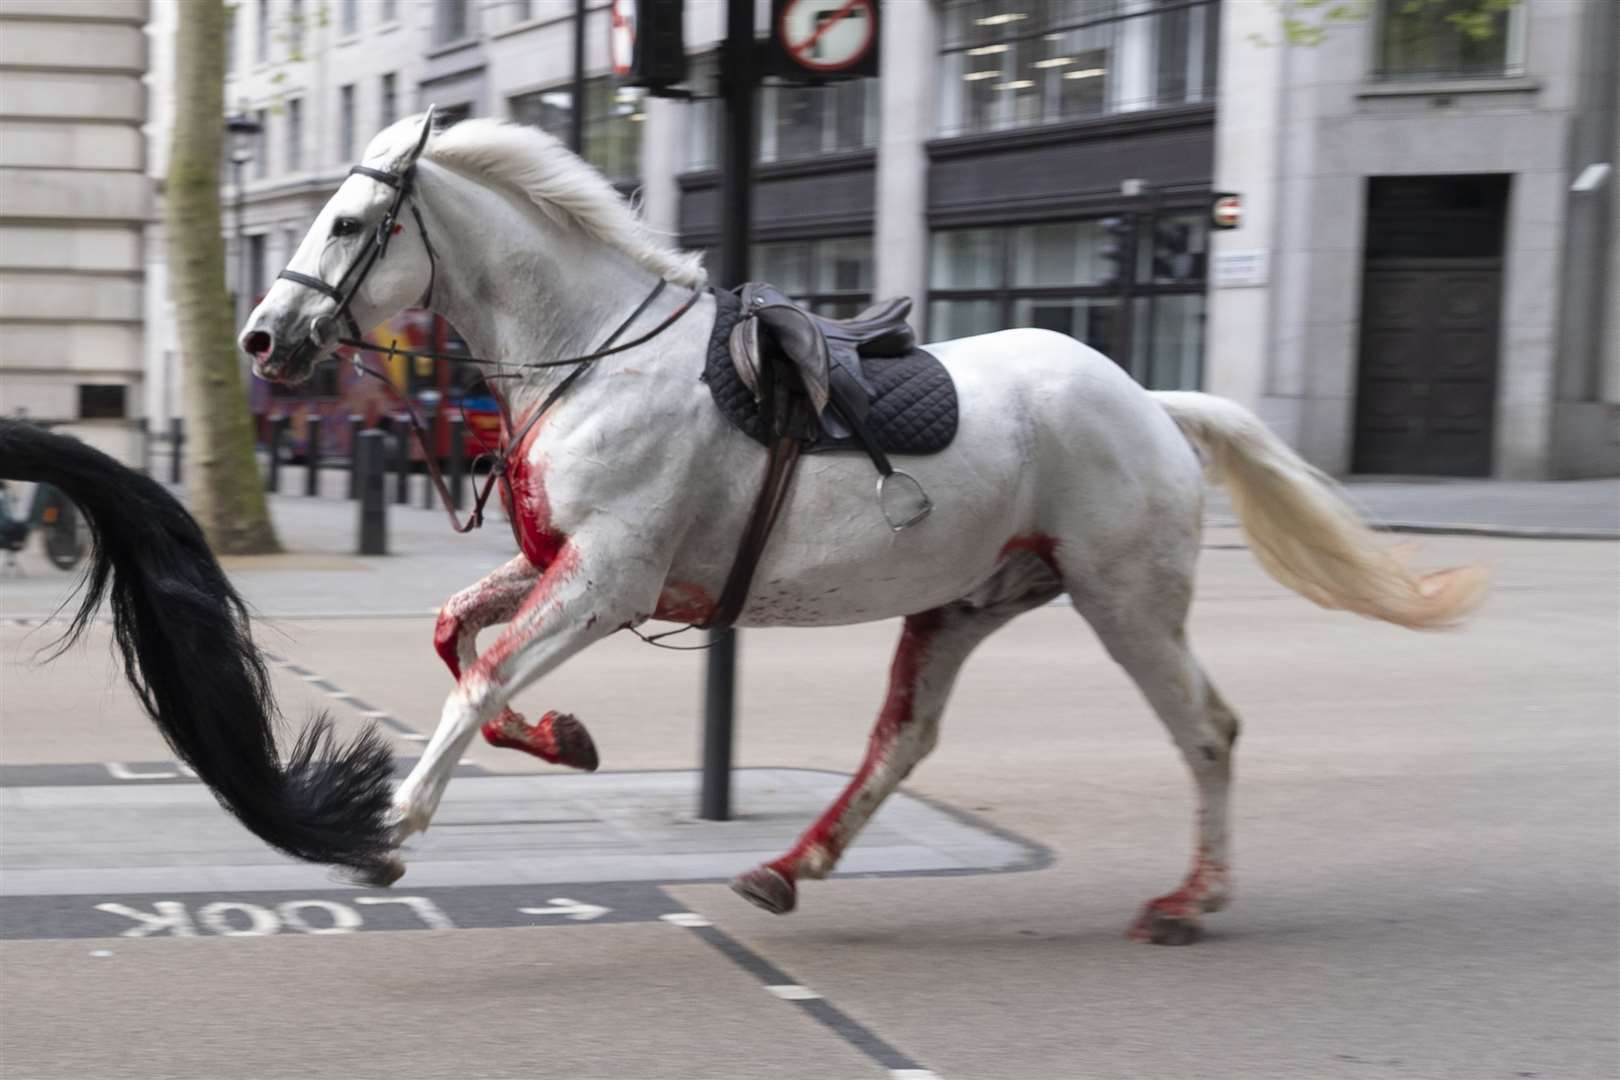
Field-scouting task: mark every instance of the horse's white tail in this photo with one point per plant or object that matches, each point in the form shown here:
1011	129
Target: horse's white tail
1303	531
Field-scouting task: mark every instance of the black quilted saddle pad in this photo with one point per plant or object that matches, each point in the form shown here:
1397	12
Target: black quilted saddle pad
913	410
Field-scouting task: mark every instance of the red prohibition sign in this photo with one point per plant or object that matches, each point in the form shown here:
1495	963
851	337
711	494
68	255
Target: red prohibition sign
823	21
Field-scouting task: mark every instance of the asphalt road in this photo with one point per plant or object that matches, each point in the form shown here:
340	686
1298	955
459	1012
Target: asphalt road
1427	861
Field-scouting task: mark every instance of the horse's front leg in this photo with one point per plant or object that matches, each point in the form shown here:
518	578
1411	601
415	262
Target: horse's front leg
590	590
557	737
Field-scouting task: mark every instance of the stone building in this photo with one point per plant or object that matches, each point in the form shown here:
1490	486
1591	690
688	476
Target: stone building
1052	163
73	203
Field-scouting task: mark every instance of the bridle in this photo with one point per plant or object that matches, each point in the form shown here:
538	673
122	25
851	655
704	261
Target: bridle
344	292
402	183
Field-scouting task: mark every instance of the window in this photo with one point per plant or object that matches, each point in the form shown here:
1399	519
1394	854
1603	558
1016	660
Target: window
451	115
390	100
350	24
1131	287
295	134
261	144
1444	39
261	36
101	402
295	30
345	148
614	116
230	40
449	21
1035	62
255	266
834	277
794	122
390	10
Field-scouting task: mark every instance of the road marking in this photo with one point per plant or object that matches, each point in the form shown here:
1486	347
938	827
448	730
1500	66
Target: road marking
686	918
561	905
794	992
340	695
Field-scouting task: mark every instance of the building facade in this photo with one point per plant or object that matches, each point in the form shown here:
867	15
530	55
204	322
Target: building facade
75	202
1051	163
1426	280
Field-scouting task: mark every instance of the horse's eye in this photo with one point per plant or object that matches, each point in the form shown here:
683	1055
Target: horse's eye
345	226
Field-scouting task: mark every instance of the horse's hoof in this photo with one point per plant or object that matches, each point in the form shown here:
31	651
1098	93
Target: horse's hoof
575	747
1160	928
379	875
766	888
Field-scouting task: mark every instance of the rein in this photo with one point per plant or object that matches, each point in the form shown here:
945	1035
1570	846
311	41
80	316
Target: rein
361	267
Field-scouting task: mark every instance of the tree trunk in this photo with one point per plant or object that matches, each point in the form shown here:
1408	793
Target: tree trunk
222	474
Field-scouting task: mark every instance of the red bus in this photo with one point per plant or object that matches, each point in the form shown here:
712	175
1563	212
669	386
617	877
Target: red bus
438	389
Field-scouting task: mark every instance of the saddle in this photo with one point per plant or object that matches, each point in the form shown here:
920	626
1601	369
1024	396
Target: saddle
798	382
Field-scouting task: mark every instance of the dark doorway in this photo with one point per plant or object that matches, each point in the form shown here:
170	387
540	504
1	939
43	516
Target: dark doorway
1430	325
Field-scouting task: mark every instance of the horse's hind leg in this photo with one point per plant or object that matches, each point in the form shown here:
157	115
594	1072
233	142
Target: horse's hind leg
1149	640
932	647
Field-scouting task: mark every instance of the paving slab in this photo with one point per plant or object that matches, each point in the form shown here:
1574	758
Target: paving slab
109	840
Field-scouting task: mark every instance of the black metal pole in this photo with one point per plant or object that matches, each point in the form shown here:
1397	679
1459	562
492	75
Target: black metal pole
402	460
458	457
356	426
370	455
278	431
432	421
738	77
177	444
312	455
576	115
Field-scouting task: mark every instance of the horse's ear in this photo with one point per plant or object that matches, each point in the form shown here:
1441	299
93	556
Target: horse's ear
421	139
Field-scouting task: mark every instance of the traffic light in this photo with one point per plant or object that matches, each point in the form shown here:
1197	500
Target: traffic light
1115	250
1173	256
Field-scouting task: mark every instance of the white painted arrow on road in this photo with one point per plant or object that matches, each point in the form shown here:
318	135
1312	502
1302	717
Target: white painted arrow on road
573	909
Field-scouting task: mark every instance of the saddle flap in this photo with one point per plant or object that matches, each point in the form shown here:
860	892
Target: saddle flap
743	344
800	339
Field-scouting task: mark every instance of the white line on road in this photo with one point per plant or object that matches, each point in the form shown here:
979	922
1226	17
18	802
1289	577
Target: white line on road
794	992
685	918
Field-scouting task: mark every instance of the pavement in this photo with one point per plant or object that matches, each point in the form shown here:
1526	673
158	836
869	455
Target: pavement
1427	856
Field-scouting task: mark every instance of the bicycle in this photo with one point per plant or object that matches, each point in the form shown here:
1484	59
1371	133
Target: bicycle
50	512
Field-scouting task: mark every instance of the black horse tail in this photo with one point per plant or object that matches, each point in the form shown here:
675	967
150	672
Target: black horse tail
188	652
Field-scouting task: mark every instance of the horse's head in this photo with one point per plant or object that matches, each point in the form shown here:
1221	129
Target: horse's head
363	259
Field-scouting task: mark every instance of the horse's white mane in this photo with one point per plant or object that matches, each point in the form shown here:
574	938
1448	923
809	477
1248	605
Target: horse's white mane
556	180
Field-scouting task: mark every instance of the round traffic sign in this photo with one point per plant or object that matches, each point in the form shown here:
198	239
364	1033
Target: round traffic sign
1227	212
828	35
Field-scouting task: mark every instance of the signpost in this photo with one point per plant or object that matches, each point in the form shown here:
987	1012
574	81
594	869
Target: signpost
811	41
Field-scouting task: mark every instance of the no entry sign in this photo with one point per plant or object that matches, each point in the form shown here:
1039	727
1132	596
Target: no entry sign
824	39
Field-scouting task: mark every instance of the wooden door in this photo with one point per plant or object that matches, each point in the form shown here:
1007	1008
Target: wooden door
1430	332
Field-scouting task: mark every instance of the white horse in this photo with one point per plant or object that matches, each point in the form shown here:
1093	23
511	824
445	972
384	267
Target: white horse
630	493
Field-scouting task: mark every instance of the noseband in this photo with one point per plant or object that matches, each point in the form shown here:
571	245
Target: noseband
402	183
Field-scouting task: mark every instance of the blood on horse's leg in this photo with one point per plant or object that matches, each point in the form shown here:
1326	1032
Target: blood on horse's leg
558	738
932	647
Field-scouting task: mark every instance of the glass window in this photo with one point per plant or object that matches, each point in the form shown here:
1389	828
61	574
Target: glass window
1009	65
389	100
230	40
261	36
390	10
101	401
614	116
261	144
345	151
834	277
449	21
1443	38
295	134
1131	286
1169	342
351	17
295	30
792	122
548	110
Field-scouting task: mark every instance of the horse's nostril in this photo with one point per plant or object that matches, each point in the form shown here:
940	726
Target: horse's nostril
258	343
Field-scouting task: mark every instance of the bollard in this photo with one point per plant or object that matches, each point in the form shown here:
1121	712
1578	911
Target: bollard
355	427
371	458
458	458
278	436
312	457
402	460
146	446
177	443
427	476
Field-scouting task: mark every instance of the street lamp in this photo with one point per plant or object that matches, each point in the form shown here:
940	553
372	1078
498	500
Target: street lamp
244	133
